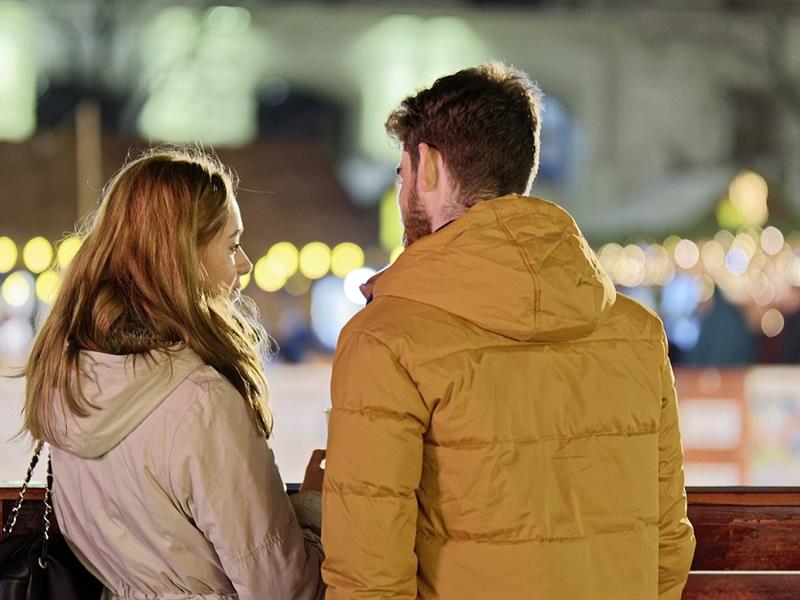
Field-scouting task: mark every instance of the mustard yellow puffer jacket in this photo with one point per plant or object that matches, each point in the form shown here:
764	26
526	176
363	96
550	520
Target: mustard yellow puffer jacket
504	425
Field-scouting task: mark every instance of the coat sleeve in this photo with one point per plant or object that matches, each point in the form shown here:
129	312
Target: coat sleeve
676	535
373	470
225	476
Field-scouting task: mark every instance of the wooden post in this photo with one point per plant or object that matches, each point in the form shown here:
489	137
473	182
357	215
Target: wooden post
88	156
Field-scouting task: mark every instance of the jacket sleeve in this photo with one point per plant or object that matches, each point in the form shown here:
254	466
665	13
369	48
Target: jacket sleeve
225	476
676	535
373	470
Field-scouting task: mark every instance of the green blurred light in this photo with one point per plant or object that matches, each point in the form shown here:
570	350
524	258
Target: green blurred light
728	216
226	20
17	72
401	54
391	225
201	76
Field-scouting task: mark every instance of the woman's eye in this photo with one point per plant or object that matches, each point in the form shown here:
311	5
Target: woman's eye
236	247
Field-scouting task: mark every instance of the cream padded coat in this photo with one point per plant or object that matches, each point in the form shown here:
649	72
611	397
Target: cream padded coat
168	491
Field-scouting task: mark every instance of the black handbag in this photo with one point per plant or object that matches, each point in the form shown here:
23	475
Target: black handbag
41	566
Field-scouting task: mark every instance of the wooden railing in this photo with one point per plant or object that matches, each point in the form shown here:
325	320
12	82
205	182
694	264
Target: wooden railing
748	540
748	544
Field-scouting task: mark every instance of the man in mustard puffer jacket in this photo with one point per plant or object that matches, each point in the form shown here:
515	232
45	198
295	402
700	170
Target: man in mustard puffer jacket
504	423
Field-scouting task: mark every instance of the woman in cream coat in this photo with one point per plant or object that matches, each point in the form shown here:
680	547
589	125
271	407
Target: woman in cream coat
146	380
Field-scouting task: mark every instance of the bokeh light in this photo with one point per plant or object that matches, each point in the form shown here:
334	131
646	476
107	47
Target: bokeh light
345	258
47	285
737	261
395	254
772	240
352	284
67	249
686	254
267	276
748	194
772	322
297	285
8	254
284	258
37	254
16	289
712	255
330	310
315	260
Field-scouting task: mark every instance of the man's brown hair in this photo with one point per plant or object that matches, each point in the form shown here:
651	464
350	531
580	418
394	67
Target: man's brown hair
485	121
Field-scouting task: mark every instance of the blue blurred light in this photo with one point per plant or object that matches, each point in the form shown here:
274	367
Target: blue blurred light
330	310
680	296
737	261
685	332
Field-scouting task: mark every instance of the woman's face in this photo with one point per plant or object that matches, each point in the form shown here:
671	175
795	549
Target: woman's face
223	259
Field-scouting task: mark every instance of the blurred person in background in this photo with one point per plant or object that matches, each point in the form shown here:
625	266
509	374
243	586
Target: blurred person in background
726	339
146	379
504	424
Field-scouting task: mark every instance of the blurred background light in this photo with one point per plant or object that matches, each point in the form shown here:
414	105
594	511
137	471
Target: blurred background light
67	249
686	254
685	332
200	76
390	224
772	322
17	71
331	309
16	335
284	258
298	285
681	296
227	20
772	240
37	254
737	260
713	256
8	254
47	285
748	194
16	289
267	276
345	258
352	285
395	254
402	53
315	260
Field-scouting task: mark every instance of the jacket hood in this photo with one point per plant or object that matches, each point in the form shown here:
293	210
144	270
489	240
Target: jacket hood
516	265
125	389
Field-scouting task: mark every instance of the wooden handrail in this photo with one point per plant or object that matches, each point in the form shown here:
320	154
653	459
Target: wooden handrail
748	540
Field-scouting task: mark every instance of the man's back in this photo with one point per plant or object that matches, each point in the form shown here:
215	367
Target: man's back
503	417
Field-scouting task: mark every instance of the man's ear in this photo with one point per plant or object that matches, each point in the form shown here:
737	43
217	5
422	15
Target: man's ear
430	168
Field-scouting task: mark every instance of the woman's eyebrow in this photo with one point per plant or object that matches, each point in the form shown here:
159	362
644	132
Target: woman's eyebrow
235	233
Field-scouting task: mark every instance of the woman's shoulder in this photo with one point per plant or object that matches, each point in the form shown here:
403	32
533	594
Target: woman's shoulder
208	397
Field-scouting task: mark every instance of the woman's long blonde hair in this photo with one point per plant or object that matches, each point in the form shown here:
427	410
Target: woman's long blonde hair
136	285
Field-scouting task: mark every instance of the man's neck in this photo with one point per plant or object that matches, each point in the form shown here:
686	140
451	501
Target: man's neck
444	217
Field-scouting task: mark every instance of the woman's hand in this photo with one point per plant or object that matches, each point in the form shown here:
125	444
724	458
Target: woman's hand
312	482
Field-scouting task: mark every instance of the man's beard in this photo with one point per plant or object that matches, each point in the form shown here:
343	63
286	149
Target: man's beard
416	222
